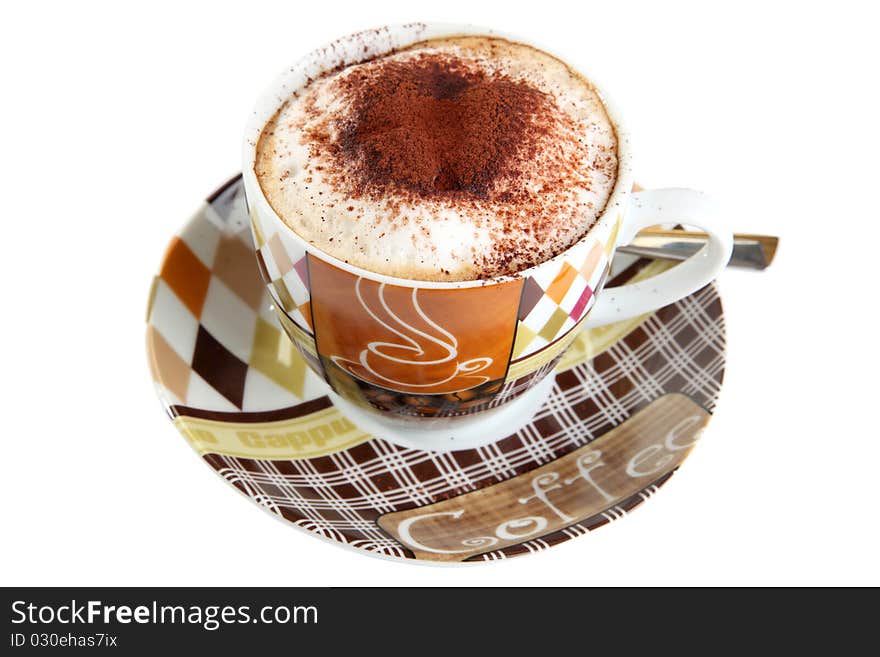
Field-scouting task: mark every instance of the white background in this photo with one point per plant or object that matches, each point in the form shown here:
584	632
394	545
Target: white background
117	121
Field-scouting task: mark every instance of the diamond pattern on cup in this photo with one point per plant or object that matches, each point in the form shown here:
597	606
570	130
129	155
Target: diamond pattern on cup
561	284
287	280
279	255
531	295
268	266
297	287
302	270
555	324
552	303
524	337
282	295
262	267
579	305
610	242
305	310
590	263
303	340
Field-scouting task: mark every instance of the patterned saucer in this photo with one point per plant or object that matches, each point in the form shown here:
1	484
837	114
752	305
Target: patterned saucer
628	403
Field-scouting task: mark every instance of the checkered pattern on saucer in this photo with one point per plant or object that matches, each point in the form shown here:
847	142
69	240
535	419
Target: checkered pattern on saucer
214	341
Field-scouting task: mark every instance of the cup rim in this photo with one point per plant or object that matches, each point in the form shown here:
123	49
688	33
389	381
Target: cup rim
341	52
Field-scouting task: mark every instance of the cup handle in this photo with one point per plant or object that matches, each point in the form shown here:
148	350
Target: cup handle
656	206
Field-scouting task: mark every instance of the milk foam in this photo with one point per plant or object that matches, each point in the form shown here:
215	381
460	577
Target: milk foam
561	189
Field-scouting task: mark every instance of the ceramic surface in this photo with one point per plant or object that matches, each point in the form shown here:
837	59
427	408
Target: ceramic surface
629	401
405	348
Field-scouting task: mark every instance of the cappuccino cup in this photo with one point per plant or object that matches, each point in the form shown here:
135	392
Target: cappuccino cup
434	330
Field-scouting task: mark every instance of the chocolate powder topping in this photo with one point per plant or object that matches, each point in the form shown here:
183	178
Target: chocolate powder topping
434	126
407	148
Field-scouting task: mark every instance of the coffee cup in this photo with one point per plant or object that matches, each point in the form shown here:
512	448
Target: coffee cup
460	362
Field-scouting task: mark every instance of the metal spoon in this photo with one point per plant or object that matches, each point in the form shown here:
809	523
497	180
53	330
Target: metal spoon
751	251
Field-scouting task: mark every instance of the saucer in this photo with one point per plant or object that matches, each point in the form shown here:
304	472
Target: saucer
628	402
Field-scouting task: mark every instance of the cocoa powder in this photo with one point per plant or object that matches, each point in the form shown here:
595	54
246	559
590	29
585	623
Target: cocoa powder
465	155
434	126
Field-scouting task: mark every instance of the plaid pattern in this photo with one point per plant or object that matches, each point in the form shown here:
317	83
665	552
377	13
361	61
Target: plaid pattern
340	495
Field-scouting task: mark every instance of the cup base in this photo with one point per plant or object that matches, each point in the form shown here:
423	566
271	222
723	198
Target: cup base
452	433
